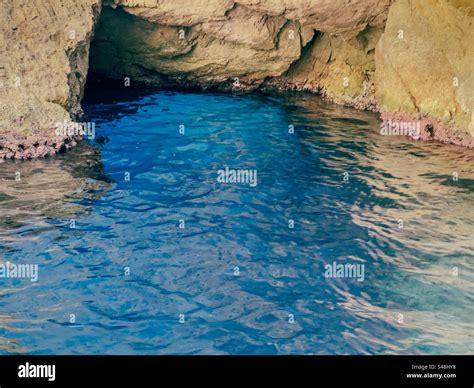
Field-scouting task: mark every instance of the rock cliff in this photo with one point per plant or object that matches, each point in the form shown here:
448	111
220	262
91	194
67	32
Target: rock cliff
44	56
425	67
412	60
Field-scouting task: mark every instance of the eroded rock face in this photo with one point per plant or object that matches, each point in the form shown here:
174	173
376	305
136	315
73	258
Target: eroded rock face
44	52
333	16
237	52
349	51
245	45
424	67
339	67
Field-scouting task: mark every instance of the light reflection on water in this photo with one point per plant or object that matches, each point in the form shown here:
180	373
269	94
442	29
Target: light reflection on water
190	271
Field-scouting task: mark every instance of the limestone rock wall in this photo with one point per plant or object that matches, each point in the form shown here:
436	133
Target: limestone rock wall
332	16
245	44
44	55
425	67
237	52
409	59
340	67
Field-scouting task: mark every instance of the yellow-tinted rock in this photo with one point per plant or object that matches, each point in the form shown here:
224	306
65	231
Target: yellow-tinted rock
209	54
177	12
43	66
340	67
333	16
424	61
422	66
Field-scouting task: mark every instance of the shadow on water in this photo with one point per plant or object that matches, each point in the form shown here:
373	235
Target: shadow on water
38	190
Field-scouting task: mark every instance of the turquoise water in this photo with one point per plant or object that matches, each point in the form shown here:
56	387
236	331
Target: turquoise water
172	261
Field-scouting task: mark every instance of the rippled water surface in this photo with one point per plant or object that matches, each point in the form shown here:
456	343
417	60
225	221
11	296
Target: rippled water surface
346	187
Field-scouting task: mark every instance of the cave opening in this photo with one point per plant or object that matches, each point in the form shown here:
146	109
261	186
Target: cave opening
132	55
126	52
113	75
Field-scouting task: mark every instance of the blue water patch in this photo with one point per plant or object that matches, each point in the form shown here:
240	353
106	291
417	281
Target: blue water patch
143	249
